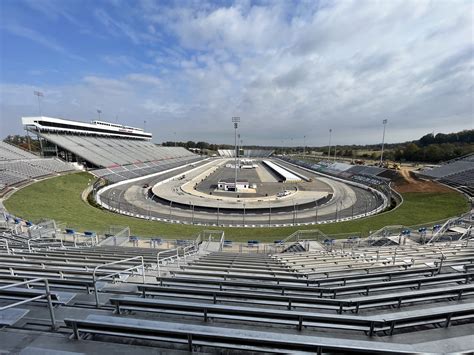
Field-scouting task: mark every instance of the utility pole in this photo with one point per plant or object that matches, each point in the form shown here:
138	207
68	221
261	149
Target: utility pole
329	149
384	122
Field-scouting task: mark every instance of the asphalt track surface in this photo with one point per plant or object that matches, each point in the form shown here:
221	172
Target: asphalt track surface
345	201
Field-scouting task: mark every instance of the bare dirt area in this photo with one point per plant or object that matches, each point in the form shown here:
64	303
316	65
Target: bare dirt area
410	183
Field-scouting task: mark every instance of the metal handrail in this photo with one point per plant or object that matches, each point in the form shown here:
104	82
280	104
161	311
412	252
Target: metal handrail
46	295
221	243
198	239
177	256
442	229
28	243
95	279
166	259
189	247
6	244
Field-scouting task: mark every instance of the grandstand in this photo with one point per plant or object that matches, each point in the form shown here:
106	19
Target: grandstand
61	294
18	166
246	153
368	175
125	172
120	152
458	173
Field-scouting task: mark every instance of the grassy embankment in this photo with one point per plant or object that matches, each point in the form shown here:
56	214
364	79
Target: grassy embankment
60	199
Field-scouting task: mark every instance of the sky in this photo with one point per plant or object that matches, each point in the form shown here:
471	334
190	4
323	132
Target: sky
288	69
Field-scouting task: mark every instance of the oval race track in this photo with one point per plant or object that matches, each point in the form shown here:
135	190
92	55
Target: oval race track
170	197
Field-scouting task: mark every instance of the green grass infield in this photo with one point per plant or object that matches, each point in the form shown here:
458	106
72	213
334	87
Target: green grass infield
60	199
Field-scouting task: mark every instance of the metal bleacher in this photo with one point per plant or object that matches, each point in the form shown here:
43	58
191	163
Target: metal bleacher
18	166
458	173
120	173
247	153
122	159
368	175
109	152
79	297
83	295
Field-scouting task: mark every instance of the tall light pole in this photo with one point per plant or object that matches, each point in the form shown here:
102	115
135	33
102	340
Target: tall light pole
329	149
384	122
39	94
235	121
304	145
99	112
238	146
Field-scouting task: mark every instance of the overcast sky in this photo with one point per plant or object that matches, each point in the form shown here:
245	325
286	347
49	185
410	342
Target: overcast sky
288	69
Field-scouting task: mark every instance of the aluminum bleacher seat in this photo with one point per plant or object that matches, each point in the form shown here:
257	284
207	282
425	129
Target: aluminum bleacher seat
51	164
10	152
449	169
372	170
356	169
409	299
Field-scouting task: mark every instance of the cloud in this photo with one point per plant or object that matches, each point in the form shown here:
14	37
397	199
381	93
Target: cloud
54	10
145	79
288	69
118	27
39	38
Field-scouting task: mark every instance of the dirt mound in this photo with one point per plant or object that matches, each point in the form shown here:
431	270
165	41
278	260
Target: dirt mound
410	183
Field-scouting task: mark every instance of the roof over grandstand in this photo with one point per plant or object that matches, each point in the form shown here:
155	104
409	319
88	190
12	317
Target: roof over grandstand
99	128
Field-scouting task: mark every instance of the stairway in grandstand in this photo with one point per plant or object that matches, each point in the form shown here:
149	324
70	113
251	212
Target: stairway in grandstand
294	248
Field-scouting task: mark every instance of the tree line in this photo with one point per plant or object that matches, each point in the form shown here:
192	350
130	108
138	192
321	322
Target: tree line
430	148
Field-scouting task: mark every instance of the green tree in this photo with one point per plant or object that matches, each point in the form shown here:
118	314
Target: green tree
411	152
433	153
